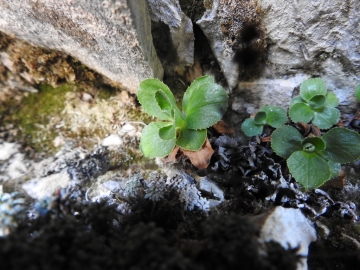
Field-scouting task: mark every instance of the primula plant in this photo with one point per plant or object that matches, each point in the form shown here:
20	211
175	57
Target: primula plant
268	115
203	105
314	160
315	104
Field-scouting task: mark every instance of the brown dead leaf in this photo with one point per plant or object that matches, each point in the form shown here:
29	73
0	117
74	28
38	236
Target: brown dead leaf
337	182
223	128
200	159
173	156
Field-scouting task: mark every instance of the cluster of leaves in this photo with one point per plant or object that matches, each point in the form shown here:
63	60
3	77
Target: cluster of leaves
203	105
268	115
315	104
315	159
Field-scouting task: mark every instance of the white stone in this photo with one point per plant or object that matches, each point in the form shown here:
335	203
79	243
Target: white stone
39	188
7	149
112	140
289	227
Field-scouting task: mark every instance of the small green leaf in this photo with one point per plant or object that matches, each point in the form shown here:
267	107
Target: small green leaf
312	87
357	92
250	128
276	116
342	145
286	140
326	117
331	100
260	118
149	95
309	169
317	101
205	106
167	132
190	139
194	87
151	145
163	103
318	143
301	112
297	99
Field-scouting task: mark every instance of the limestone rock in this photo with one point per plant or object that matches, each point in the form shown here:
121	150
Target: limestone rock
181	28
40	188
111	37
290	228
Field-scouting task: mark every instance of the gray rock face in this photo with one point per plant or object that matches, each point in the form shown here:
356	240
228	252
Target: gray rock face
112	37
303	39
181	28
307	38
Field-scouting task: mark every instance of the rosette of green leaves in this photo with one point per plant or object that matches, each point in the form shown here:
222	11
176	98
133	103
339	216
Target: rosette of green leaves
314	160
203	105
315	104
268	115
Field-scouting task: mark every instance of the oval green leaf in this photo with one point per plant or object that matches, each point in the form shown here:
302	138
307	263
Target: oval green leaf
312	87
342	145
286	140
308	169
326	117
250	128
276	116
190	139
318	143
301	112
297	99
194	87
260	118
151	144
205	106
149	97
331	100
317	101
167	132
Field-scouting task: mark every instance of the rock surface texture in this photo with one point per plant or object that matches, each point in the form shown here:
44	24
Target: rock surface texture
307	38
111	37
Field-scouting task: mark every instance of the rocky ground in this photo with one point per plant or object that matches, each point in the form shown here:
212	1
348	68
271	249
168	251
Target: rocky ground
76	191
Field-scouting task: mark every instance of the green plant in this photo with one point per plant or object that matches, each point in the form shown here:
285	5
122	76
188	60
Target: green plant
357	92
203	105
314	160
315	104
267	115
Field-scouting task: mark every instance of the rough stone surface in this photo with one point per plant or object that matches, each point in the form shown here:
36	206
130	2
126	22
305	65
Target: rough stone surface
309	38
211	27
181	28
43	187
303	39
111	37
289	227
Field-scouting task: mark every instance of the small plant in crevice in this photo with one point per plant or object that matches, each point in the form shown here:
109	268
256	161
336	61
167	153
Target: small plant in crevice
203	105
314	160
315	104
267	115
